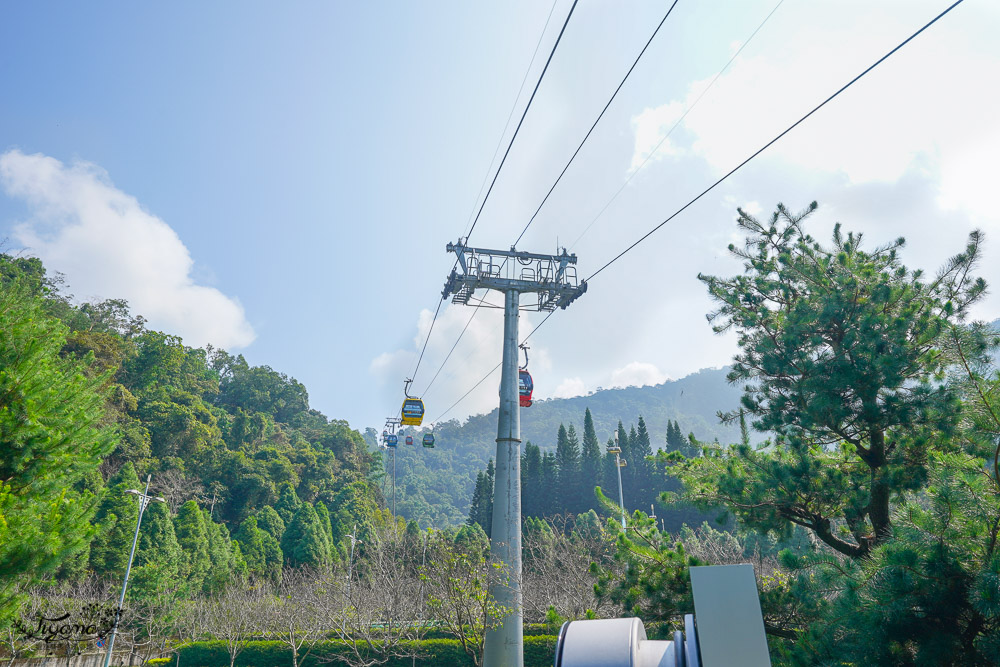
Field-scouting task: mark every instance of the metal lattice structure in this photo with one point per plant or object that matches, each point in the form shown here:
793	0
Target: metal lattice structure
552	277
553	281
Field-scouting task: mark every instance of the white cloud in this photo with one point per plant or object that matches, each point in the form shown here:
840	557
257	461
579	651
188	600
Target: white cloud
109	247
638	374
926	100
651	126
569	388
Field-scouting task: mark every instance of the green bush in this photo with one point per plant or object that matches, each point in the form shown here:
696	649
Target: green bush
538	652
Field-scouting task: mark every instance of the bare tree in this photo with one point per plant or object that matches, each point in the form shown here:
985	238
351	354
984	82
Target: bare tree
178	488
376	610
458	585
235	616
294	614
557	562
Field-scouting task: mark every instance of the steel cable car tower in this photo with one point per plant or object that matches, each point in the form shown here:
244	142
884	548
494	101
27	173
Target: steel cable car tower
553	279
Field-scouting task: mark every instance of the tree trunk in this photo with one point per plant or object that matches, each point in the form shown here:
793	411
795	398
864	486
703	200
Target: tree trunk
878	504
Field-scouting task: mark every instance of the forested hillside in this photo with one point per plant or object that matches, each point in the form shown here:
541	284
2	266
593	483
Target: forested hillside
438	484
252	478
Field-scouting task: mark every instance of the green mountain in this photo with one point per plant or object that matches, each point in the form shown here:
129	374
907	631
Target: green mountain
435	485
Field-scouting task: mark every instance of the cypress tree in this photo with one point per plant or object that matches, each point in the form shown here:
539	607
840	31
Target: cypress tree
192	538
550	474
324	519
250	538
590	463
488	494
477	505
531	480
568	460
226	560
642	449
288	503
115	519
158	557
269	521
305	542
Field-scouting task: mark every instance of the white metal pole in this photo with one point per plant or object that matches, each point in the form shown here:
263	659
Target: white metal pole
621	496
505	644
143	500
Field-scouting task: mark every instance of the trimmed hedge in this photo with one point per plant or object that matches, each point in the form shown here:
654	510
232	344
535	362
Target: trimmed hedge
539	651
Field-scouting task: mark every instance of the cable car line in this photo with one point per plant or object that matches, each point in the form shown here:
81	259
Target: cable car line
510	115
772	141
500	166
676	123
711	187
558	179
596	121
520	122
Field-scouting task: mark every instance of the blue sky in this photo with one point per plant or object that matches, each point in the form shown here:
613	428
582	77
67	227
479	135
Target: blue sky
281	179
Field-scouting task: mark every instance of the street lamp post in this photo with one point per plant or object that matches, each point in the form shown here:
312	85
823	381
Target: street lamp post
144	500
619	464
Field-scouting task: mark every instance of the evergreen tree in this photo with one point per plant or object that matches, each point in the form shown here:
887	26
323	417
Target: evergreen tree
305	542
269	521
532	489
288	503
324	520
192	538
158	561
488	491
260	551
642	450
51	440
550	476
477	508
591	467
568	460
225	558
115	519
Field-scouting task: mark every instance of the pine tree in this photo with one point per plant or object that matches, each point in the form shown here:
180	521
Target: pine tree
550	475
305	541
192	537
52	438
590	463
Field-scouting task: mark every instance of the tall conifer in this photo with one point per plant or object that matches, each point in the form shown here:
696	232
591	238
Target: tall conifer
590	463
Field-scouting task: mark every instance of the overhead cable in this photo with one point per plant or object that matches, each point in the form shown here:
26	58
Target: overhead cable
596	121
772	141
676	123
730	173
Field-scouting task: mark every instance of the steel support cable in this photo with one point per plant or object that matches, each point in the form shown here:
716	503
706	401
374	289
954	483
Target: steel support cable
597	120
772	141
676	123
730	173
565	168
524	79
521	122
500	167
